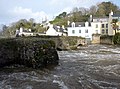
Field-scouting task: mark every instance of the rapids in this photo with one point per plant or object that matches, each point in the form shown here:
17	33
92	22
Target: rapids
91	67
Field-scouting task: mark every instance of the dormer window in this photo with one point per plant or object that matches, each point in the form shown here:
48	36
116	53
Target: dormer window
73	24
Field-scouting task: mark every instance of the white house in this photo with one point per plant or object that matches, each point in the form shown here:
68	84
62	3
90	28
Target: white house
111	17
55	31
22	32
100	26
103	26
81	29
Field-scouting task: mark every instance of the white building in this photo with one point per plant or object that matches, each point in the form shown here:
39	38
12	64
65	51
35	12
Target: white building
111	17
103	26
51	31
81	29
100	26
55	31
22	32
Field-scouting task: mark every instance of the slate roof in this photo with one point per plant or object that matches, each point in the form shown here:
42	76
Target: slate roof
100	17
96	19
79	24
58	29
116	15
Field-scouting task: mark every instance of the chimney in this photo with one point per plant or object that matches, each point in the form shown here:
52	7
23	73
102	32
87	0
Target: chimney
111	13
86	24
63	27
68	22
73	24
21	30
91	18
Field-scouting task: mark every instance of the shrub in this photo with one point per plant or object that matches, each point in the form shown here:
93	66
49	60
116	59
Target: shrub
116	38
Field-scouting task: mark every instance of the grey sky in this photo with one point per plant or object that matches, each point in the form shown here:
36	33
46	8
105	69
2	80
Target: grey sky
13	10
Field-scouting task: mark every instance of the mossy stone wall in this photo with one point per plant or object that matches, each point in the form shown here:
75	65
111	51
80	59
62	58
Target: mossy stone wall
105	39
64	42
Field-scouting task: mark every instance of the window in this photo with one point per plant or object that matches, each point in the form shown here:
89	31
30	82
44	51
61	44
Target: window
103	31
96	31
79	31
102	25
86	31
73	24
106	31
73	31
106	25
96	25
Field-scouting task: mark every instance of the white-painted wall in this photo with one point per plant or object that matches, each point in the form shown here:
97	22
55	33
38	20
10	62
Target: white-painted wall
26	34
82	34
21	32
52	32
96	30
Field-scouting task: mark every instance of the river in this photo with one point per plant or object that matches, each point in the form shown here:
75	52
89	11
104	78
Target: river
91	67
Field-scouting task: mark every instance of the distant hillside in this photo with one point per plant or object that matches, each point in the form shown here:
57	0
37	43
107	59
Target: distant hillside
81	14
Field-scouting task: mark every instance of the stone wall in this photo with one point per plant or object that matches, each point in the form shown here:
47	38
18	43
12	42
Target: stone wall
65	42
105	39
72	42
96	38
31	52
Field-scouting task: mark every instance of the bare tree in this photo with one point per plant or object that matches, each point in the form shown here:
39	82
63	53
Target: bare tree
93	10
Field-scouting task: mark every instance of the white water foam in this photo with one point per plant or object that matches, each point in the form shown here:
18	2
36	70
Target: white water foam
61	84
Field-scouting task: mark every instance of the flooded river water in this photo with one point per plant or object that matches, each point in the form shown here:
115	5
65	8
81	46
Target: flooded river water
91	67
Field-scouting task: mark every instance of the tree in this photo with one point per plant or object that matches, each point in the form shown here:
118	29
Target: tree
60	20
62	15
93	10
114	25
84	11
31	20
105	8
75	14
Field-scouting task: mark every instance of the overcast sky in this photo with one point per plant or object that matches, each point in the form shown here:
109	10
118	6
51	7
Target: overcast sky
14	10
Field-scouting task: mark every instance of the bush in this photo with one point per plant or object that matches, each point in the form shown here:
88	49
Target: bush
116	38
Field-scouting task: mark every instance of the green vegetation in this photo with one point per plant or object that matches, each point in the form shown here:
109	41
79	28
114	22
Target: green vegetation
116	38
9	31
81	14
111	39
104	8
114	24
60	19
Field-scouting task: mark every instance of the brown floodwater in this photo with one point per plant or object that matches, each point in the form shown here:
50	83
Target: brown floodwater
91	67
